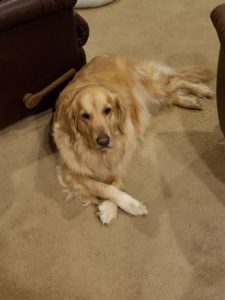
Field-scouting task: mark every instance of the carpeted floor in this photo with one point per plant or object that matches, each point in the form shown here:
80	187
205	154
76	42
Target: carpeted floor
51	249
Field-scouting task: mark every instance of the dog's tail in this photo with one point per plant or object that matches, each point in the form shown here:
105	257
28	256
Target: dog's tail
195	74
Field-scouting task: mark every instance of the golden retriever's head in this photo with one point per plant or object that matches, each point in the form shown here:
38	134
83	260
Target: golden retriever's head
98	116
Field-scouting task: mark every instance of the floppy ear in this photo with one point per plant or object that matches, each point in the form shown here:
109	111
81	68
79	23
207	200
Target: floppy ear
66	115
121	113
71	121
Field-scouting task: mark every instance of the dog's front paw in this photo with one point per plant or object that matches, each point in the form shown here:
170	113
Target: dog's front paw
107	211
132	205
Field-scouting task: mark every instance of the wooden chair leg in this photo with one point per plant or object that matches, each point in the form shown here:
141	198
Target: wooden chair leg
32	100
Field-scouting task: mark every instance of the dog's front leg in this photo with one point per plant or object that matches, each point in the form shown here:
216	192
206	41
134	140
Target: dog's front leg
113	197
118	183
108	209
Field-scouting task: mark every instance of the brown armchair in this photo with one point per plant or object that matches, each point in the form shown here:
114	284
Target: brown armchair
40	40
218	19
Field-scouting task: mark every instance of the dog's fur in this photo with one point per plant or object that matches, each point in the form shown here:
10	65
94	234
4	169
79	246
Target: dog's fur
114	97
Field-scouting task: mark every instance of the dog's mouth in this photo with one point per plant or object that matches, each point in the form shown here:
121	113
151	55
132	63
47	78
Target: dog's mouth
104	148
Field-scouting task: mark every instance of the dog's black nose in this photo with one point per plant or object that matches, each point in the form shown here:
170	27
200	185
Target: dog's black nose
103	140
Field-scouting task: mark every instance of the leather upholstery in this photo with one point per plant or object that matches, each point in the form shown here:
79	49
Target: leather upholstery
16	12
34	52
218	19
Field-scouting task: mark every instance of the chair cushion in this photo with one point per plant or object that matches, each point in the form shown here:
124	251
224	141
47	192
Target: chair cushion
17	12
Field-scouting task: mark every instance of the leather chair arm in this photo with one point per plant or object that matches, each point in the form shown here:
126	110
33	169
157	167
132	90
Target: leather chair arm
218	20
81	28
14	13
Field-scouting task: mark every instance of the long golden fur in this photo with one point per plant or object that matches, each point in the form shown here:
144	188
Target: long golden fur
103	113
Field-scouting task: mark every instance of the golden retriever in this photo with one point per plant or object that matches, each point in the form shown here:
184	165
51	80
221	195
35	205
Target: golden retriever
103	113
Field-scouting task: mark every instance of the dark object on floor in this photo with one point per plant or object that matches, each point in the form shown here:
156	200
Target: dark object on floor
40	40
218	19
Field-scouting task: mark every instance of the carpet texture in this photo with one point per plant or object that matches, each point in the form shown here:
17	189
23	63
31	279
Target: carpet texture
52	249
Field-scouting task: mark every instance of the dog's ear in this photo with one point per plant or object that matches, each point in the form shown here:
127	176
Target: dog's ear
66	115
121	113
71	121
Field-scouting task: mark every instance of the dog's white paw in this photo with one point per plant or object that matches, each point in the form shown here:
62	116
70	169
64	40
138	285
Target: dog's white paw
205	91
132	205
107	211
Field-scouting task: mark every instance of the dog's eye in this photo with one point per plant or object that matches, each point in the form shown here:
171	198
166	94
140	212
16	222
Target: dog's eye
86	116
107	110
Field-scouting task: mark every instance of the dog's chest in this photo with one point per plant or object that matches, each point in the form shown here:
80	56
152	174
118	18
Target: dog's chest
100	167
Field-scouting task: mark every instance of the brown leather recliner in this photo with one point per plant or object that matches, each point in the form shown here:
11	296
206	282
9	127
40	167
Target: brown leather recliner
40	40
218	19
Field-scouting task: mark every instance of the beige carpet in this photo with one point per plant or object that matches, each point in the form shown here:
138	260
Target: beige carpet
51	249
